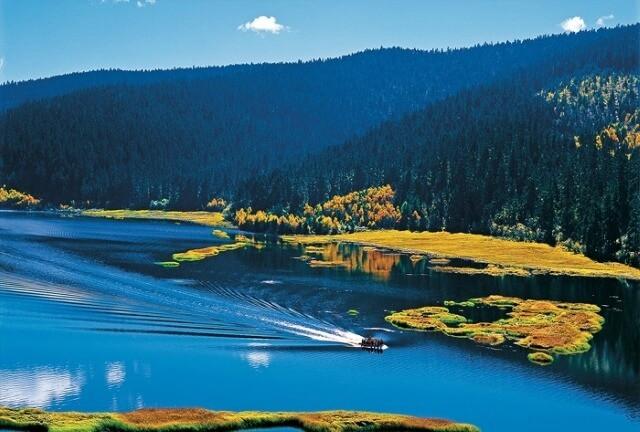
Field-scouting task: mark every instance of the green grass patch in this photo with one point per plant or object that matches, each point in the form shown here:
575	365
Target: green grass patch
540	358
197	217
220	234
167	264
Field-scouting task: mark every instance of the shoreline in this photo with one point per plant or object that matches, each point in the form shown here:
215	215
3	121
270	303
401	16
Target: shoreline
202	420
502	256
206	218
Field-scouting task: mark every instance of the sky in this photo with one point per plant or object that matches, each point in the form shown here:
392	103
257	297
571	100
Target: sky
40	38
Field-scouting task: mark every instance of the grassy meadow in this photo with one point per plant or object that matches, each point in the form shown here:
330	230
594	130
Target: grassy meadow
198	217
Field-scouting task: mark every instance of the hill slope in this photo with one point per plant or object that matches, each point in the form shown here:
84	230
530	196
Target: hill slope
189	139
540	156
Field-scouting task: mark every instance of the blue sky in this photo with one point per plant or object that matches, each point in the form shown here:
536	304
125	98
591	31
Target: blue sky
41	38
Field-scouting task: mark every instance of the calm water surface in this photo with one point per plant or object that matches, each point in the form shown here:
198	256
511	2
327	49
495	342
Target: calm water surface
89	322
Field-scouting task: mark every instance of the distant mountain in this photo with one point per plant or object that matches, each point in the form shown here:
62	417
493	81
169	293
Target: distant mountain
188	135
13	94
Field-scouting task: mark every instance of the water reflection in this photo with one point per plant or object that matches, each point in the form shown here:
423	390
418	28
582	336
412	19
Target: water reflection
115	374
383	264
39	387
375	262
258	359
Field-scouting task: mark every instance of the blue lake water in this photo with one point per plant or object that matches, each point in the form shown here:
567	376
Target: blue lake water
89	322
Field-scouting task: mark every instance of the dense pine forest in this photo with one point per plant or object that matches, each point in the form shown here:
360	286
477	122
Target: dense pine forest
190	139
560	165
536	140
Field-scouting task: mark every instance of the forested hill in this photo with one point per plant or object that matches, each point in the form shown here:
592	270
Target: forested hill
13	94
191	138
556	161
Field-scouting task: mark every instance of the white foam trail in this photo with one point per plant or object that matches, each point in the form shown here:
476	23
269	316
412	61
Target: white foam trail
324	335
380	329
270	282
335	335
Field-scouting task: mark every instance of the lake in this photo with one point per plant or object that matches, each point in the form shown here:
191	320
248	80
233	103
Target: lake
88	322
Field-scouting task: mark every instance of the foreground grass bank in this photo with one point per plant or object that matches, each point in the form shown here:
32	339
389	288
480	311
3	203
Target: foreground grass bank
198	217
502	256
201	420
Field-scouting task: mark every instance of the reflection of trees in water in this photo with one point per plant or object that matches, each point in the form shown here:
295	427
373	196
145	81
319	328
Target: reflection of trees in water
380	264
384	264
614	359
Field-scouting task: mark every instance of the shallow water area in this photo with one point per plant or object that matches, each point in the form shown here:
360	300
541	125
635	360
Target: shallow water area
89	322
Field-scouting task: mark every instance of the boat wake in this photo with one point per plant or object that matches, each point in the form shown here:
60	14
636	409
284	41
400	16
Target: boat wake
100	297
288	320
105	299
335	334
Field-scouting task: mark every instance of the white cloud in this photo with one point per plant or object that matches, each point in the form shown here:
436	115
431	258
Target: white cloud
263	24
1	63
573	25
601	22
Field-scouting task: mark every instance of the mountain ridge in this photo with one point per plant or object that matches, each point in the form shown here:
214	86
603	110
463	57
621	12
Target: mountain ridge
15	93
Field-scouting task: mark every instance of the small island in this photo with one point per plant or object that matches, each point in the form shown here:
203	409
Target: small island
545	326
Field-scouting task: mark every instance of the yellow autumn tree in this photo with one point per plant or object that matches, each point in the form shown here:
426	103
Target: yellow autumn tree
371	208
